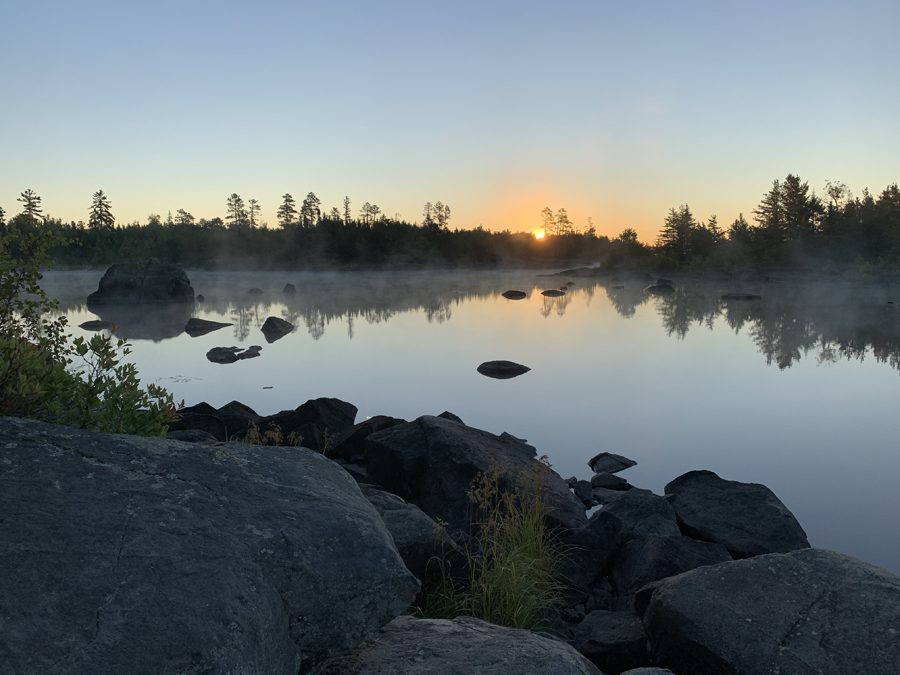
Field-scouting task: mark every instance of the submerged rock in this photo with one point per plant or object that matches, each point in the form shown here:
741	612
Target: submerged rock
96	325
514	295
142	283
289	289
198	327
810	612
502	370
155	556
553	293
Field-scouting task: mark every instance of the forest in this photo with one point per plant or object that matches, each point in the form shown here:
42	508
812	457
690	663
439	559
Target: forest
792	227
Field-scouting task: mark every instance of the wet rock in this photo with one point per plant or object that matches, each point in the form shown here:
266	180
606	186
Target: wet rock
96	325
155	556
275	328
250	353
142	283
447	415
350	443
289	289
514	295
741	296
643	513
613	641
747	518
553	293
643	560
431	462
409	646
223	354
609	462
502	370
802	613
198	327
418	538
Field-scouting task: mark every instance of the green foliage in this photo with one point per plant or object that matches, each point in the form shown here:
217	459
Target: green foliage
511	579
44	376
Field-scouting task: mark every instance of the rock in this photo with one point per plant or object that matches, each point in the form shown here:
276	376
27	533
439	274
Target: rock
409	646
741	296
747	518
571	482
606	496
502	370
633	275
223	354
643	513
582	490
275	328
250	353
200	298
192	436
642	560
553	293
236	417
350	444
447	415
609	481
613	641
514	295
255	291
608	462
202	408
289	289
96	325
802	613
142	283
205	423
154	556
664	281
520	444
570	283
660	289
319	421
586	554
649	671
418	538
198	327
432	461
147	321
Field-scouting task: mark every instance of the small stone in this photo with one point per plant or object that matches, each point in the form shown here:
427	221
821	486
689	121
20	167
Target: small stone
608	462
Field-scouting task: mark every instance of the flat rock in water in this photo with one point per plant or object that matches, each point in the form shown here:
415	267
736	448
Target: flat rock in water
810	612
553	293
613	641
289	289
198	327
502	370
609	462
150	282
409	646
232	354
514	295
746	518
275	328
96	325
154	556
741	296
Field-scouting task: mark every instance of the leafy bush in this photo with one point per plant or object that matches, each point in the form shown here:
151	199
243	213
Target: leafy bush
44	375
511	579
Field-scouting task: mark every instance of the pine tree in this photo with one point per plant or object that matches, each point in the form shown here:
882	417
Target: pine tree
237	213
563	224
253	212
334	215
287	214
346	210
770	213
675	235
32	206
549	221
441	215
182	217
310	211
100	213
366	213
428	215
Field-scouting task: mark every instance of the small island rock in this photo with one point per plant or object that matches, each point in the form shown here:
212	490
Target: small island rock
502	370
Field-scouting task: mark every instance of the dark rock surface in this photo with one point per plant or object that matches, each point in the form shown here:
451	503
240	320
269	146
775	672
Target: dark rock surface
206	423
96	325
447	415
192	436
747	518
810	612
520	444
610	462
660	289
514	295
462	646
643	513
431	462
224	355
256	291
143	556
646	559
586	554
202	408
289	289
613	641
275	328
649	671
606	496
502	370
319	421
236	417
350	444
609	481
142	283
200	298
198	327
417	537
553	293
583	491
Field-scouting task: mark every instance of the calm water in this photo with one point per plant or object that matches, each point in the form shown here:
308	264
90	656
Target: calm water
798	391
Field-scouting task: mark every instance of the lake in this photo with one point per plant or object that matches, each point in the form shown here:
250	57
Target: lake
797	391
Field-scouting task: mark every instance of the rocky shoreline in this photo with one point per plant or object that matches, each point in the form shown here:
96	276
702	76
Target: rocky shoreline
201	554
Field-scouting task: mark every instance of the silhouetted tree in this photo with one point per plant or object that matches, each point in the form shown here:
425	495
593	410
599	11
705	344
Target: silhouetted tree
441	215
310	211
334	214
563	224
740	230
253	212
591	231
2	218
237	212
287	213
100	213
32	206
549	221
675	235
154	219
347	211
428	215
365	213
182	217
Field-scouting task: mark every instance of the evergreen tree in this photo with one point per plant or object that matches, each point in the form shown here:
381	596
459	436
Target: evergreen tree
591	231
182	217
286	212
549	220
334	215
740	230
32	206
441	215
100	214
310	211
237	213
2	218
428	215
346	210
675	235
154	219
169	221
366	213
801	211
253	212
563	224
770	213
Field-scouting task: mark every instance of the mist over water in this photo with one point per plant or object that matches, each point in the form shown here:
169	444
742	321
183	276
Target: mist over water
797	390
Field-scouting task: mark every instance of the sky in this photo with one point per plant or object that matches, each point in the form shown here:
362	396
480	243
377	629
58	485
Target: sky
613	110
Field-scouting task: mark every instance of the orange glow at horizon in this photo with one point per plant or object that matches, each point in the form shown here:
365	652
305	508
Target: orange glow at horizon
538	235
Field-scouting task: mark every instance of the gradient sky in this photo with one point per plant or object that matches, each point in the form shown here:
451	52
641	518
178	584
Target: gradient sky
615	110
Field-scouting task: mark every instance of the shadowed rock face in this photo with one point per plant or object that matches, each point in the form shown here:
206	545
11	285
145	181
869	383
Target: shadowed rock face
143	283
137	555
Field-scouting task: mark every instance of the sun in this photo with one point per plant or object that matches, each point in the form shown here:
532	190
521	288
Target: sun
538	235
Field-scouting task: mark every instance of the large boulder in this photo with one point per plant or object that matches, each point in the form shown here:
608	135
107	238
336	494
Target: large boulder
409	646
643	560
613	641
431	462
642	513
143	283
274	328
810	612
142	555
350	444
747	518
318	421
586	554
